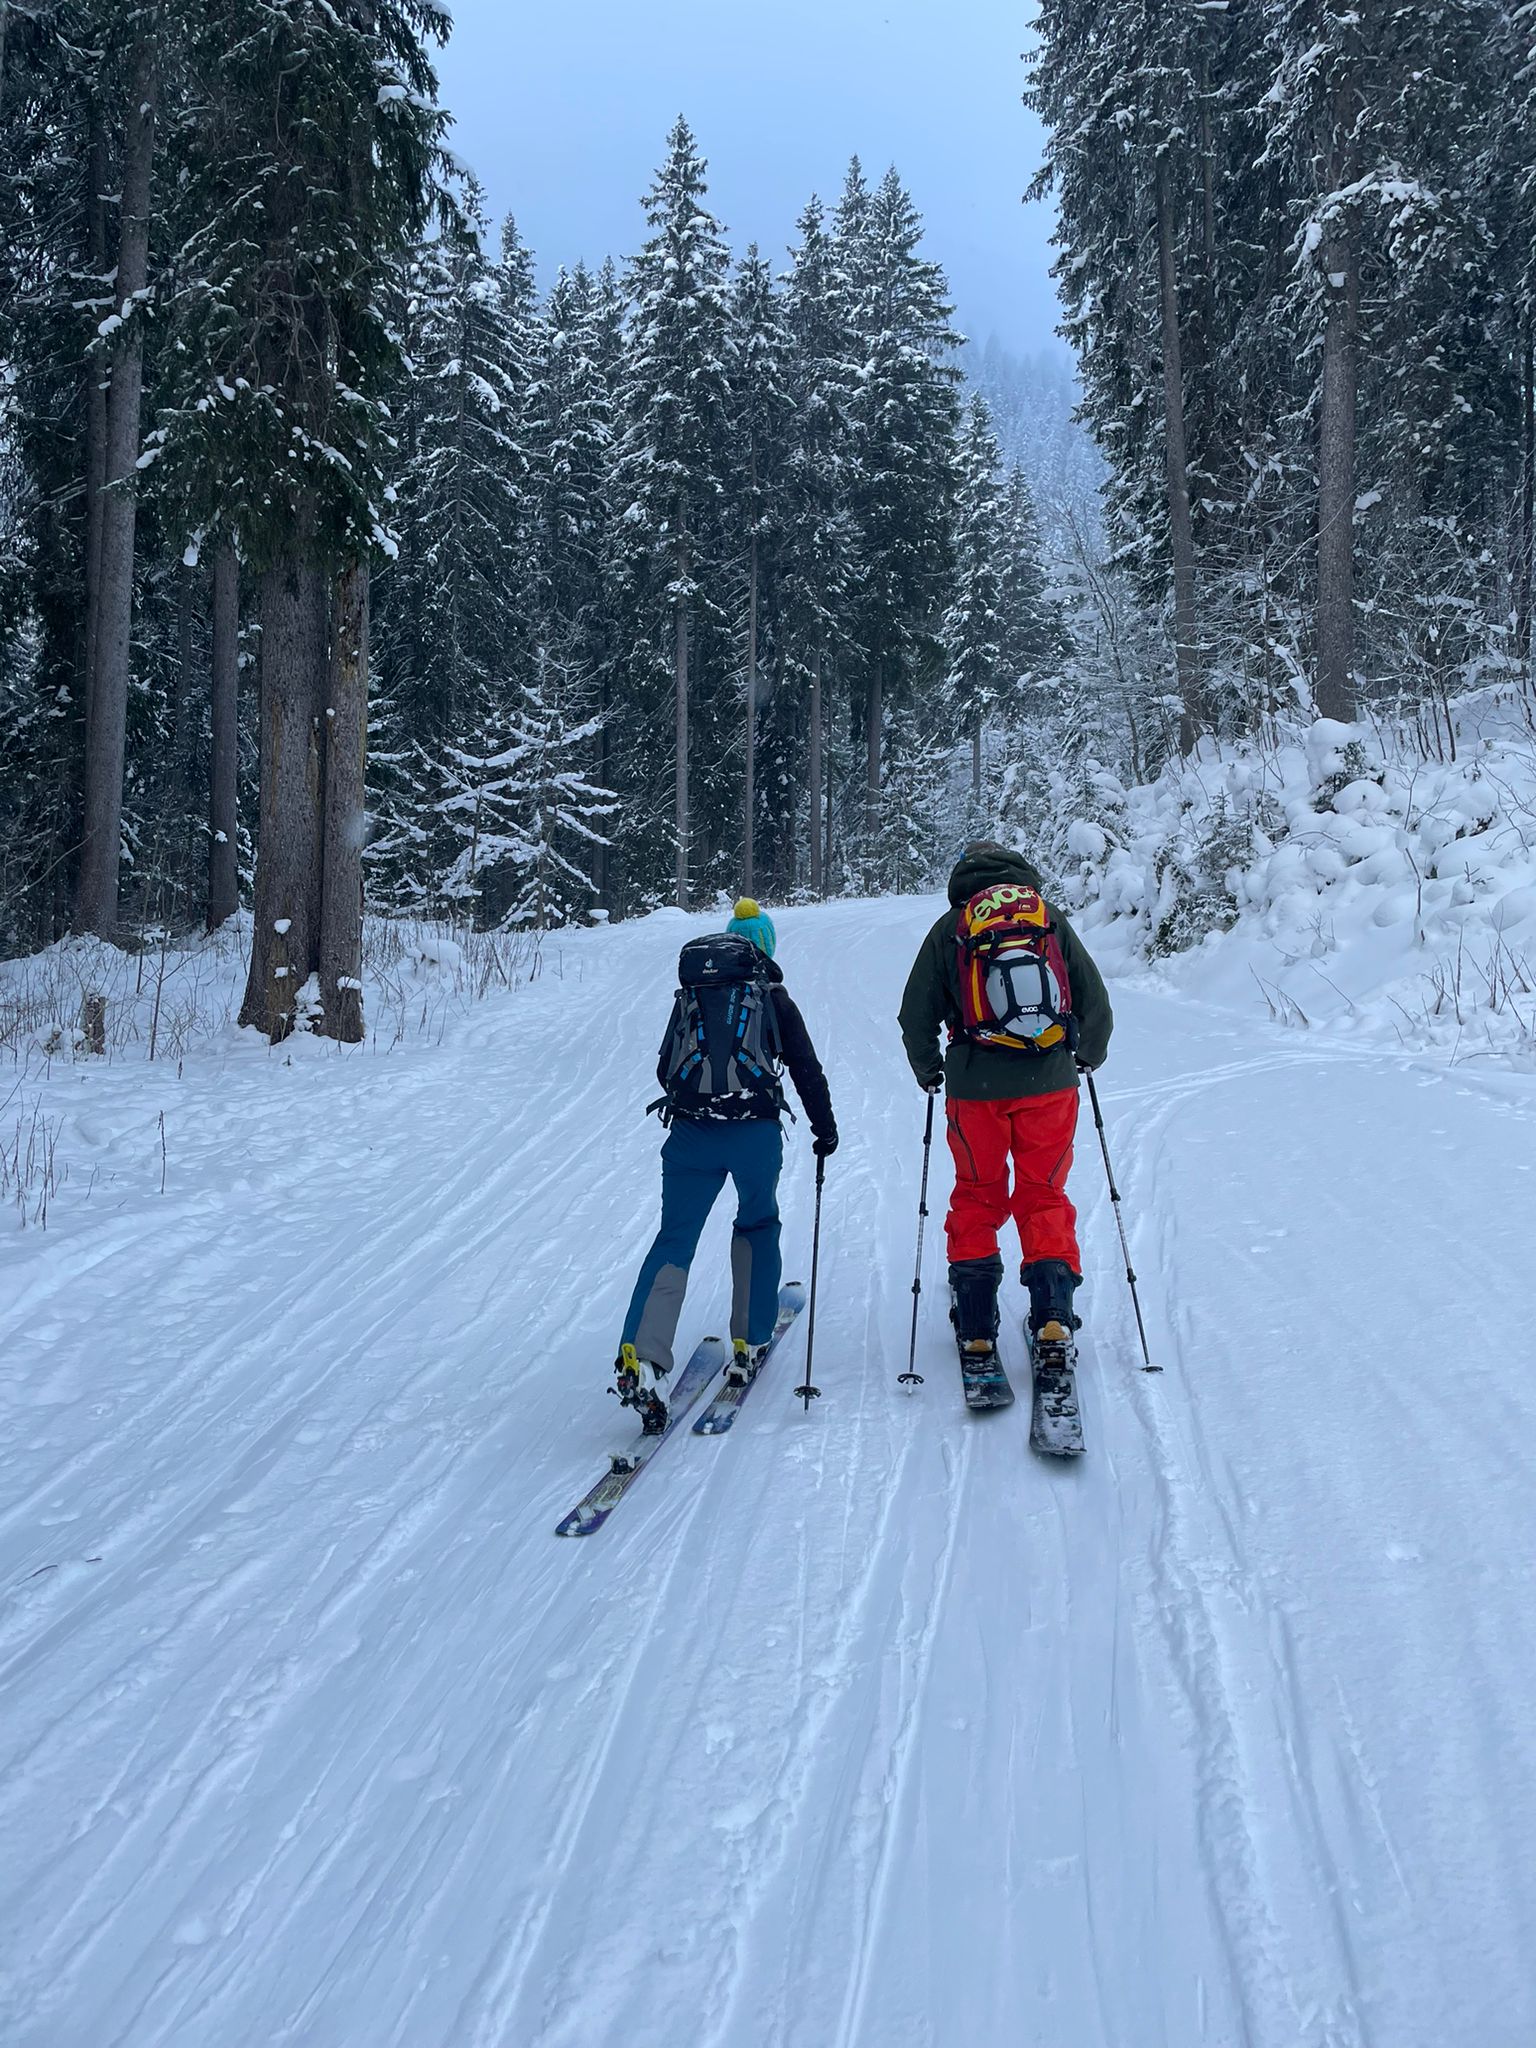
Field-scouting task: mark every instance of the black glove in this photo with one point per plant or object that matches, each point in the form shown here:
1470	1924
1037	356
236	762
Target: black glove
934	1086
825	1147
1083	1066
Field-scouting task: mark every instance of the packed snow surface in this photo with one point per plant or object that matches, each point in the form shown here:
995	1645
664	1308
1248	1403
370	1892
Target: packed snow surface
861	1729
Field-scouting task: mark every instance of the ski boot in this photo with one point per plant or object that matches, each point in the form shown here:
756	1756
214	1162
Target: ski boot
973	1285
1056	1424
1052	1284
637	1383
744	1362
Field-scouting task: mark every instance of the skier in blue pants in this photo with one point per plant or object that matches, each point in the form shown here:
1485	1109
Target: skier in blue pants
733	1025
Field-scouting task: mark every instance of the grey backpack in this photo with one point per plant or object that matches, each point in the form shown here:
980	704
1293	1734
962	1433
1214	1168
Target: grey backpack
722	1056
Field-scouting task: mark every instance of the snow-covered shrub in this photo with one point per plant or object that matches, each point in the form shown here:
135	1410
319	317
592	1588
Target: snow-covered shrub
1197	877
1414	879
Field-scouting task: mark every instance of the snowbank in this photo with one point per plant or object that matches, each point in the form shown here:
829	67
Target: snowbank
86	1119
1340	878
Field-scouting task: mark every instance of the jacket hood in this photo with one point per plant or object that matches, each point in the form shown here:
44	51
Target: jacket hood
980	868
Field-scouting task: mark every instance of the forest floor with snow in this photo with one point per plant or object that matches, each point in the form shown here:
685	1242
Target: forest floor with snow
861	1729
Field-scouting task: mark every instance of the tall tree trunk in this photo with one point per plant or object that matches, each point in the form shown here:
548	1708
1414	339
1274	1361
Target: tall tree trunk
976	757
1186	634
1336	479
602	854
182	745
106	734
874	714
295	622
346	753
680	673
224	765
97	371
817	871
826	878
1525	574
749	800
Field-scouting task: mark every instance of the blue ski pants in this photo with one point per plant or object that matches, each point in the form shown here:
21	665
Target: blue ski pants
696	1161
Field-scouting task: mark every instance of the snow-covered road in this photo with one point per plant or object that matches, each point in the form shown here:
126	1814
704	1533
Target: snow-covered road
856	1730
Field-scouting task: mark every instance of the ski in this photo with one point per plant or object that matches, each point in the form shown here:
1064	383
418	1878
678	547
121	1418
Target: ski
985	1379
590	1513
1056	1422
722	1411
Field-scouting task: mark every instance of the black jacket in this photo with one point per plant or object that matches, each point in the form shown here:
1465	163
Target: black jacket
799	1056
931	1004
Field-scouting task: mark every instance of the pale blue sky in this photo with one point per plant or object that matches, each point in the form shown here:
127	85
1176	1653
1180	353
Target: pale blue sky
563	111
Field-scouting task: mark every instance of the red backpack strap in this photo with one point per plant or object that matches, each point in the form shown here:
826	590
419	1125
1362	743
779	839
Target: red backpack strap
968	972
1057	960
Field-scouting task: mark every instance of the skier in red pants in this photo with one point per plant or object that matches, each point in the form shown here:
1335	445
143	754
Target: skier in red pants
1024	1007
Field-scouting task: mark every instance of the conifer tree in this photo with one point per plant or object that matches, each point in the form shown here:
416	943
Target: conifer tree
672	465
455	603
311	174
759	401
139	47
1032	633
1123	92
972	628
818	536
904	417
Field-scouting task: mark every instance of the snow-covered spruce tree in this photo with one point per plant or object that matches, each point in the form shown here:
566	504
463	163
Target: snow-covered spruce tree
523	815
312	174
1514	180
1033	401
1167	268
972	627
672	464
1325	94
1118	96
81	274
759	397
1413	366
454	605
565	813
139	41
575	381
1004	637
52	256
578	547
904	418
816	544
1033	637
1443	443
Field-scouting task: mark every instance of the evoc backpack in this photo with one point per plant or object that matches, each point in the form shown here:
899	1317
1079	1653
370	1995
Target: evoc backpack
1014	991
721	1059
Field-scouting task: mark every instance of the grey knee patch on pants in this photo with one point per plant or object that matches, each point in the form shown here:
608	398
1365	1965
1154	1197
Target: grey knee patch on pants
741	1286
659	1318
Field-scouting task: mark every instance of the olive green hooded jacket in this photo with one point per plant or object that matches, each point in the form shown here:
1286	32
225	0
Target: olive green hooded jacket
931	1004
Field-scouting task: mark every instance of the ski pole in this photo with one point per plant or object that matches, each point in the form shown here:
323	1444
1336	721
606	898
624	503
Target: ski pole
912	1377
1114	1197
807	1392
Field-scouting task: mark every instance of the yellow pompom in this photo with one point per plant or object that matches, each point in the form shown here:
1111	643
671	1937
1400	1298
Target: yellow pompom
747	907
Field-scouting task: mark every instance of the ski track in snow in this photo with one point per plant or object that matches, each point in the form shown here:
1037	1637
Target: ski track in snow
856	1729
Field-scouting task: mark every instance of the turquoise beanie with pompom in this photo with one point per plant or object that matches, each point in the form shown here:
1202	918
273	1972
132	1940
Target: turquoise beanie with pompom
751	922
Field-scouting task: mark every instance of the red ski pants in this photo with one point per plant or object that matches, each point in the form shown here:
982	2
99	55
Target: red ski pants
1035	1132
